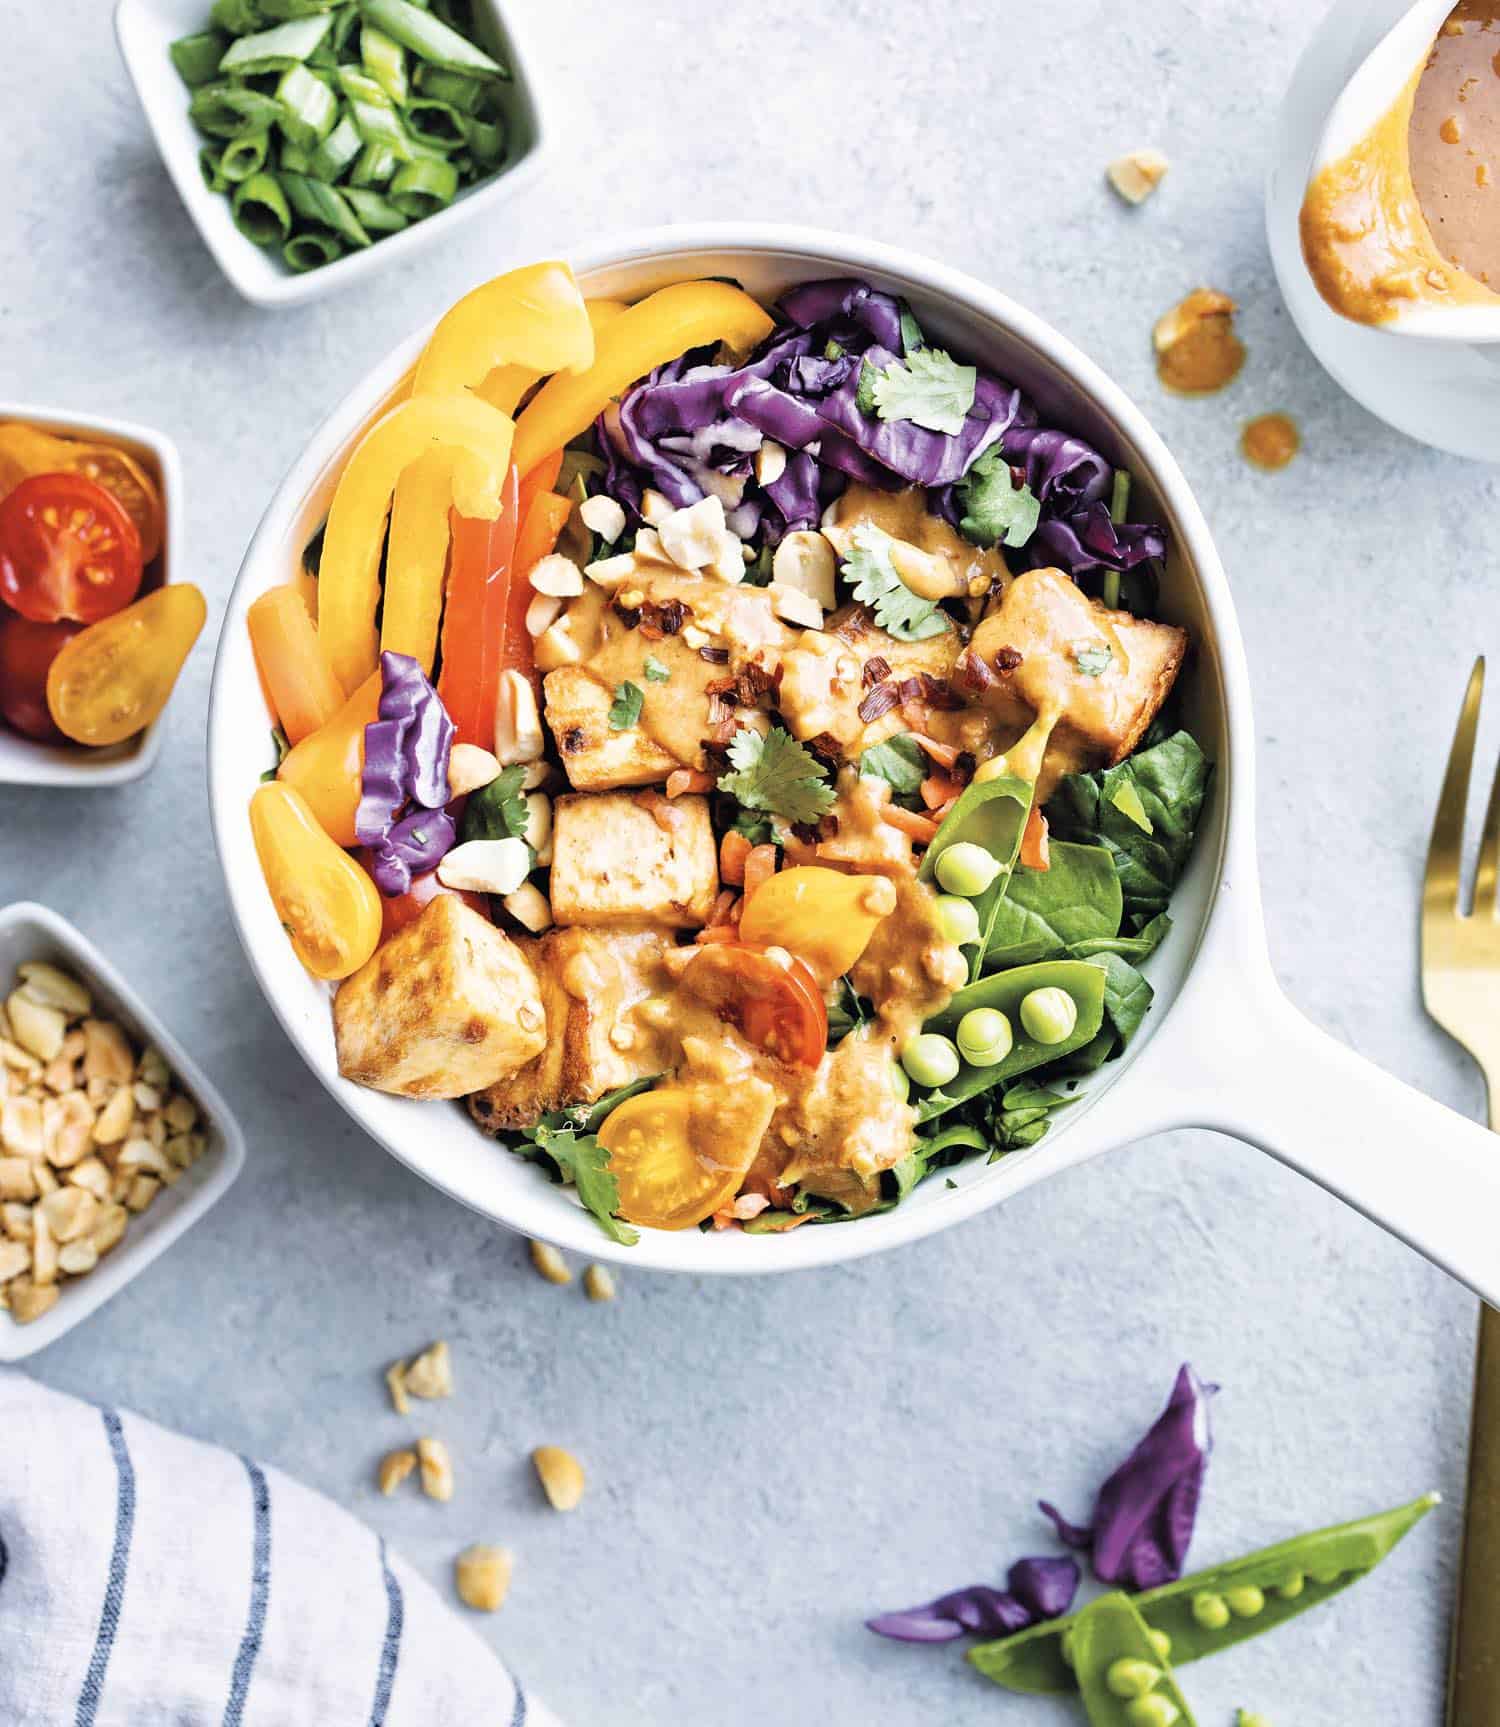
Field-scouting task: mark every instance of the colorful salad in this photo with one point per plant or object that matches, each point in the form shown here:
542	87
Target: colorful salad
727	745
330	126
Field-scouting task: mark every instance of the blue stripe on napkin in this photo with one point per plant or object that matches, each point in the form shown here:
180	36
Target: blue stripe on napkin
390	1648
119	1558
260	1590
518	1718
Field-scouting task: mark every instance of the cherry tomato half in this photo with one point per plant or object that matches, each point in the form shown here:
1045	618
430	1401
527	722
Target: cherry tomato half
772	997
327	905
27	651
822	915
128	483
67	550
114	678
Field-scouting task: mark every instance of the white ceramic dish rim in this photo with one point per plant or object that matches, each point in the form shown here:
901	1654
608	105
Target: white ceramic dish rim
178	1208
1220	1020
24	761
238	257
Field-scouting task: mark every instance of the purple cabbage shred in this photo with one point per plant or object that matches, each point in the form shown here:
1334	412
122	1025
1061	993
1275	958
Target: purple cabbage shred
406	764
1035	1589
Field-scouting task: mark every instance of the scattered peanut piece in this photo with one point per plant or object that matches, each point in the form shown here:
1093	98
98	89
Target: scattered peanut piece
395	1379
560	1474
431	1374
395	1466
1136	176
482	1577
437	1468
550	1263
1197	350
599	1283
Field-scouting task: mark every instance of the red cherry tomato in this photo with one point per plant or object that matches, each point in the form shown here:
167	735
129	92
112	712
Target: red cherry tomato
68	549
778	1006
27	650
404	908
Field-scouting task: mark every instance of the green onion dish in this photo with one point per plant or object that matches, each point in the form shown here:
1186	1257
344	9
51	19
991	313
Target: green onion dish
331	123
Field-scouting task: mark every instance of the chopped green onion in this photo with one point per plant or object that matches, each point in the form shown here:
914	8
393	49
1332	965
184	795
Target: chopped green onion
336	152
308	107
375	166
465	93
378	215
244	157
238	17
293	159
1119	498
209	159
294	8
429	37
260	210
436	124
275	50
385	61
424	187
315	202
308	251
224	110
197	57
486	140
373	113
345	23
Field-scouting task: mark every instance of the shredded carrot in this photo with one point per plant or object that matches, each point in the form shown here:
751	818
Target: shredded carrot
734	848
918	827
1035	853
724	1218
939	789
760	865
945	755
661	811
719	932
724	909
942	812
682	780
785	1220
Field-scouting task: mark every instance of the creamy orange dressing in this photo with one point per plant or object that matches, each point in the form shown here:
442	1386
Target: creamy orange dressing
1197	349
1454	139
950	565
1270	441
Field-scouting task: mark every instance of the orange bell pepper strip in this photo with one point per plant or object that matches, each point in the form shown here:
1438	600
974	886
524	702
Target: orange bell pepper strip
506	385
480	587
540	527
327	766
303	691
1035	853
654	330
476	441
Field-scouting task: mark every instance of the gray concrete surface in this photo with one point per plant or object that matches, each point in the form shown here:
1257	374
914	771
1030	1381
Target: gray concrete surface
772	1460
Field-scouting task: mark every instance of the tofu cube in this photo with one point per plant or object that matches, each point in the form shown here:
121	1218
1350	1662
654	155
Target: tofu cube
446	1007
613	862
595	756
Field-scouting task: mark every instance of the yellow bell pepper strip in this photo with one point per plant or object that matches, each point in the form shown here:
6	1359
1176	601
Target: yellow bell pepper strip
303	692
654	330
506	385
326	903
534	317
327	766
476	439
414	559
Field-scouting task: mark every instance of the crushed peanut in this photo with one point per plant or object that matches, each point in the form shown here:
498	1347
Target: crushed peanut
395	1381
84	1122
395	1466
431	1374
481	1575
560	1474
436	1467
550	1263
1137	175
599	1283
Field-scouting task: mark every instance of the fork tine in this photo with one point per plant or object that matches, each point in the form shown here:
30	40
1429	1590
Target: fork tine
1487	876
1445	848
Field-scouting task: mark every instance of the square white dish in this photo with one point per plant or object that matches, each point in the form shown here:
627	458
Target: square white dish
145	30
25	761
31	932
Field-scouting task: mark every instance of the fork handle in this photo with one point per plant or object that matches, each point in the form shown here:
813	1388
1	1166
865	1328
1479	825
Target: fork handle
1474	1674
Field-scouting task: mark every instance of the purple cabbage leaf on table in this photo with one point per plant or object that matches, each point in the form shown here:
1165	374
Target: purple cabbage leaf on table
1035	1589
406	764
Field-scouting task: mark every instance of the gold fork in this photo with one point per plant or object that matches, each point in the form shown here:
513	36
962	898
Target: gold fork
1461	987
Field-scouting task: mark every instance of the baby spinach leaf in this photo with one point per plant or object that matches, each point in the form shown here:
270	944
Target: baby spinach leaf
899	761
1127	1000
1170	781
991	813
1132	947
1046	912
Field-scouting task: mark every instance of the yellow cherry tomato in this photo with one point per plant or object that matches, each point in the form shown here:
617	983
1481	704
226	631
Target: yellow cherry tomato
662	1147
328	765
327	905
113	679
824	917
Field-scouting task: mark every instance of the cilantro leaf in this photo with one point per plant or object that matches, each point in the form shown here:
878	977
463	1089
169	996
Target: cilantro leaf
497	811
1093	658
929	388
625	710
911	331
777	774
848	1011
994	507
907	616
584	1162
656	672
760	830
898	761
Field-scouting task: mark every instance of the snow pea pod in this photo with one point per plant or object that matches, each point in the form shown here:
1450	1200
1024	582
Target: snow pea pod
1005	990
1211	1610
1123	1677
990	813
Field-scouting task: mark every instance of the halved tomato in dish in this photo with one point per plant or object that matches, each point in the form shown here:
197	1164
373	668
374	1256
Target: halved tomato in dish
127	481
768	994
68	549
27	650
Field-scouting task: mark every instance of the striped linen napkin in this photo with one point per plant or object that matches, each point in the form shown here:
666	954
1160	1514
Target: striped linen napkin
147	1580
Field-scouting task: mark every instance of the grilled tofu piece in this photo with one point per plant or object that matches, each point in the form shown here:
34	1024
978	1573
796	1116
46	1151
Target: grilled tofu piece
590	980
614	863
1105	673
595	756
447	1006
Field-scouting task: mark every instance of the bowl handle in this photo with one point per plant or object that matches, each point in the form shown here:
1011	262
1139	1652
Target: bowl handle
1236	1056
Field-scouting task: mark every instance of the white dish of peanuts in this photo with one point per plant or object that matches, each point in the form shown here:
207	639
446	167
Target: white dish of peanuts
112	1141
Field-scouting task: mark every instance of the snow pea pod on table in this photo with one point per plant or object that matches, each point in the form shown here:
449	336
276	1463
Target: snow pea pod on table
1124	1679
1212	1610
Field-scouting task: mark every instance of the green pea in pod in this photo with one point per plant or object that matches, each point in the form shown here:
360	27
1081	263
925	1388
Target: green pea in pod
1124	1679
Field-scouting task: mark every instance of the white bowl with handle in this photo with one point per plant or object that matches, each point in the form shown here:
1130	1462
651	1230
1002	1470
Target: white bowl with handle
1220	1025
